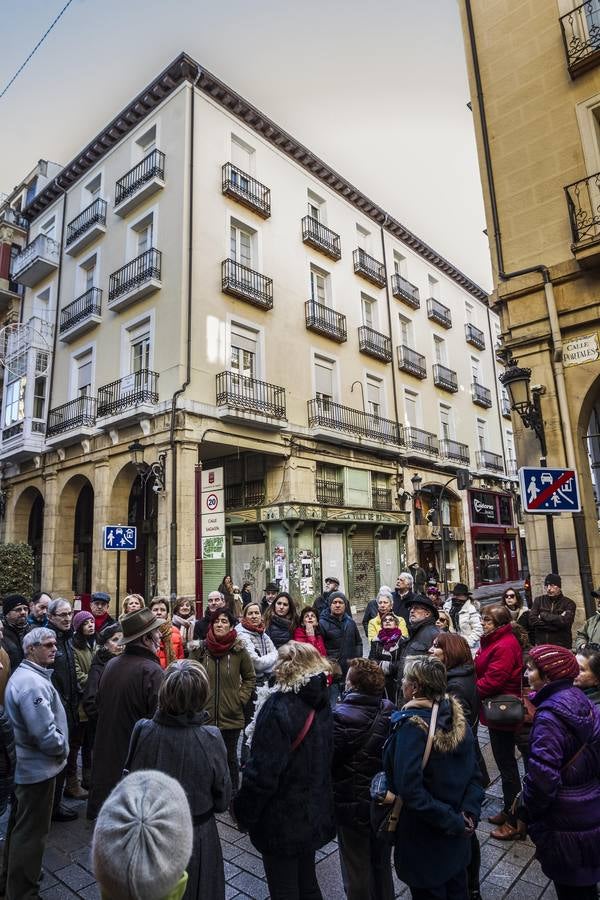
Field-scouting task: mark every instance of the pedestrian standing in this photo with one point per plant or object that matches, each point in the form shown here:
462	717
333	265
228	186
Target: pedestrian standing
419	577
465	616
332	583
171	645
84	645
215	600
41	736
15	610
64	679
342	640
384	607
281	619
38	610
131	603
184	620
552	615
271	591
99	605
108	645
4	665
308	630
588	679
372	608
262	652
589	633
177	741
286	798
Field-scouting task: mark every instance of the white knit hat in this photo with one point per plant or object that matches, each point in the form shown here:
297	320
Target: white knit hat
143	837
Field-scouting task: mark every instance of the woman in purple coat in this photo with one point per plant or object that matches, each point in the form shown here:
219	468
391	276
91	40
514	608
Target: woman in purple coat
561	791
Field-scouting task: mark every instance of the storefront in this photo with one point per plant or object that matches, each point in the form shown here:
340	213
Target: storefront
494	537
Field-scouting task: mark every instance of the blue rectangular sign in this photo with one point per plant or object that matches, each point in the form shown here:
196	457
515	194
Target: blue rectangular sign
120	537
545	490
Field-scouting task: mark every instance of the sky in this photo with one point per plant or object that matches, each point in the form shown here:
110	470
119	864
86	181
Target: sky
378	90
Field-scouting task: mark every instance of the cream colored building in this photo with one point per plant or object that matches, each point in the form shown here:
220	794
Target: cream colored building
226	299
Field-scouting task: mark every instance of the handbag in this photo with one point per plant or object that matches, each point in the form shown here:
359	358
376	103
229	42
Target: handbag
504	710
386	806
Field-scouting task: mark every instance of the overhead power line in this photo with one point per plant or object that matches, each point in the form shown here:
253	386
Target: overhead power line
39	43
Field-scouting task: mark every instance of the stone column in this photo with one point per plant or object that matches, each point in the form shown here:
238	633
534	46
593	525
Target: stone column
50	579
103	567
186	521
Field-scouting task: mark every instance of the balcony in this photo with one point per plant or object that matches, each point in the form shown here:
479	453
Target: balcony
475	336
139	183
422	441
86	227
374	344
405	291
246	190
342	424
9	216
412	362
243	496
381	498
81	315
455	451
330	493
71	422
246	284
369	267
22	440
481	395
439	313
491	461
512	467
506	408
316	235
37	260
581	37
583	204
445	378
249	401
128	399
135	280
326	321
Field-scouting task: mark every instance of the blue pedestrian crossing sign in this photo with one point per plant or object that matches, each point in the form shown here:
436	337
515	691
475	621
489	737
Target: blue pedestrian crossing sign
120	537
545	490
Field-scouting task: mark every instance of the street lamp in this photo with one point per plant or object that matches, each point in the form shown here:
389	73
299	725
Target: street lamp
416	482
146	471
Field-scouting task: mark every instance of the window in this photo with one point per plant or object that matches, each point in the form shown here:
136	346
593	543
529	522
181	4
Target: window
144	237
363	238
242	155
88	273
475	370
357	488
319	286
406	331
434	287
244	344
83	374
411	408
469	312
49	228
481	434
240	245
140	352
94	188
147	142
137	347
369	311
446	424
316	207
439	350
42	306
324	369
14	407
374	395
399	264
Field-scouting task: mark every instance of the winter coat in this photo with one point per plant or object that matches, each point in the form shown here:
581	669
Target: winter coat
421	636
400	602
83	663
593	694
185	627
286	798
431	846
589	633
177	646
469	623
8	759
39	721
89	701
315	640
64	676
499	667
561	795
261	649
194	754
341	638
13	643
375	626
279	630
419	578
201	627
361	724
128	691
551	619
461	684
232	681
5	671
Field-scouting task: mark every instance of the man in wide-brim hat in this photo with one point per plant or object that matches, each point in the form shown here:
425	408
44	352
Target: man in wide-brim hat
127	692
465	615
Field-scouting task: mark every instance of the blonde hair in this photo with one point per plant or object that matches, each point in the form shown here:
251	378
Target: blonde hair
297	662
127	598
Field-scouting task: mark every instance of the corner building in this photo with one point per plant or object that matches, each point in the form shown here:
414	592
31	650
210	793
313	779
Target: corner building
224	298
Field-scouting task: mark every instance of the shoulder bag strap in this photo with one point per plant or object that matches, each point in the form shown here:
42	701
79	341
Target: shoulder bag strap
303	731
431	735
574	757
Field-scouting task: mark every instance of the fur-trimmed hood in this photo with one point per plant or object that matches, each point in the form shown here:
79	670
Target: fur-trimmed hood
308	685
451	726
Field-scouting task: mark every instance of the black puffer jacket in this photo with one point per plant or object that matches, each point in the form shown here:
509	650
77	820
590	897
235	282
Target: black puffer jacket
8	759
342	640
13	643
280	630
461	684
90	693
361	724
64	677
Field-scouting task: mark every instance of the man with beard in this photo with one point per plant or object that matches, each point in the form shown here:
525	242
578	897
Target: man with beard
15	609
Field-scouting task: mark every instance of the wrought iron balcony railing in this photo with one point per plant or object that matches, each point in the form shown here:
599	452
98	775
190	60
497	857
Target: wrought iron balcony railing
412	362
152	166
475	336
326	321
246	190
581	37
488	460
404	290
78	413
455	450
331	493
242	496
131	390
445	378
93	214
251	395
424	441
327	414
141	269
10	216
321	238
382	498
583	204
89	304
481	395
375	344
369	267
439	313
240	281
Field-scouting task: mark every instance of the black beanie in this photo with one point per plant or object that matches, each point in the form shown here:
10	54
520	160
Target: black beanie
13	600
553	579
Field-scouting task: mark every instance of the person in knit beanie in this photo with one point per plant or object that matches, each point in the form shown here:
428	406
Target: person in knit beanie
142	841
554	663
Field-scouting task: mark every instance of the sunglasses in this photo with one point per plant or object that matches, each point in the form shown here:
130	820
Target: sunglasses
510	595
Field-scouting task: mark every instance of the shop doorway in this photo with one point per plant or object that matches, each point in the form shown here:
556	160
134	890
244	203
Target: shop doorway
81	582
142	562
35	539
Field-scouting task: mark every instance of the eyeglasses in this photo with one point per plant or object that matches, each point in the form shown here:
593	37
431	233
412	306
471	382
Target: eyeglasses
510	595
65	615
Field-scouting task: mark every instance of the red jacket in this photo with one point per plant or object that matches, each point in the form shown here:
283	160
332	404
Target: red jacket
176	644
498	665
316	640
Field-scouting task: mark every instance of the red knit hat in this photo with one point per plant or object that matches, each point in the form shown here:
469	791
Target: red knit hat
555	662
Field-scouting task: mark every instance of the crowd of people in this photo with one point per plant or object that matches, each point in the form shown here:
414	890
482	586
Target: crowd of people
277	713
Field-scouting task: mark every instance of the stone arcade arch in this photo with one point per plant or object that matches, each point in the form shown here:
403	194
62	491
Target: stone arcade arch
28	527
74	537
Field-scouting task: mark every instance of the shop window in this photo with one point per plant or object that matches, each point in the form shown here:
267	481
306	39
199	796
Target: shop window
505	508
487	562
244	479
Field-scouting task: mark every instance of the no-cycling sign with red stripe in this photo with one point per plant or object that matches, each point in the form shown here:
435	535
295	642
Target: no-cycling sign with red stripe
545	490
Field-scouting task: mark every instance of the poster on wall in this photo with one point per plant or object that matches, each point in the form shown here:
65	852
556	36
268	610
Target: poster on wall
306	573
280	567
213	547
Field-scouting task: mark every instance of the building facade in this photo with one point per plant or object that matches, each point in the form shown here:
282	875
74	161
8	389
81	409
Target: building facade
223	298
535	87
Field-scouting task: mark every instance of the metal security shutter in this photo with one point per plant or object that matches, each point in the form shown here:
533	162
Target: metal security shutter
363	566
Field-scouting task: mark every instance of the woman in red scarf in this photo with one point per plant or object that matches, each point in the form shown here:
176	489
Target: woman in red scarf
308	631
232	680
385	650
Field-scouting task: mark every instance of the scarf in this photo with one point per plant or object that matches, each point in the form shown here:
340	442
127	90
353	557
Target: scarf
220	646
454	611
389	637
257	629
185	626
167	643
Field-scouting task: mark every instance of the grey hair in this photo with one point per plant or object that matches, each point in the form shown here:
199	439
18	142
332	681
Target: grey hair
35	637
429	675
407	577
385	591
56	604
